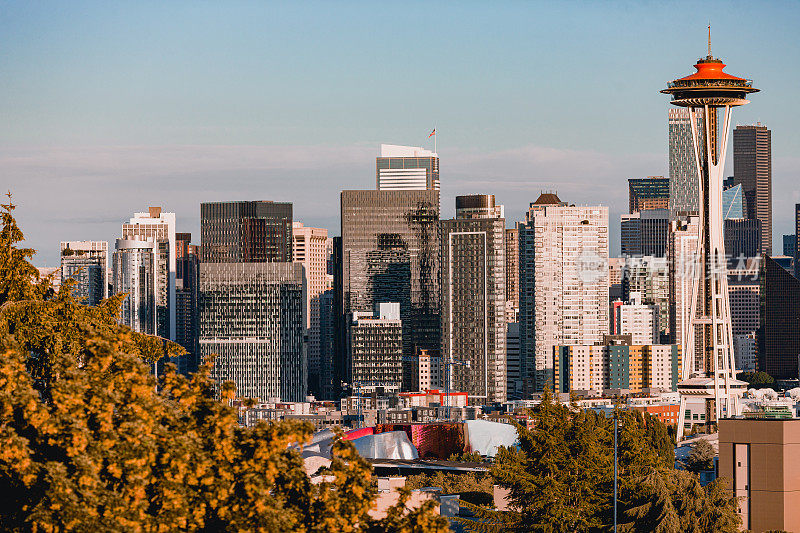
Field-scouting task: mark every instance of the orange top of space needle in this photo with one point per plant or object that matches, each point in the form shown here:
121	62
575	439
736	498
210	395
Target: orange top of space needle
709	85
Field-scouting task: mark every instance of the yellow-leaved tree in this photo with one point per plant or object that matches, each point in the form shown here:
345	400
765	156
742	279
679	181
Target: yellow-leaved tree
87	441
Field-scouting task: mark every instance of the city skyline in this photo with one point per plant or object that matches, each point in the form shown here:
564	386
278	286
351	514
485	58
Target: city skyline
144	108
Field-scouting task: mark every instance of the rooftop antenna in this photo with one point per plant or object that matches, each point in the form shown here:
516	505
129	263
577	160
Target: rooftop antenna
709	40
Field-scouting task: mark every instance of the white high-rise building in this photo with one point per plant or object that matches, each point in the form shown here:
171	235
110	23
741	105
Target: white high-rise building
638	320
312	248
407	168
564	283
683	268
159	228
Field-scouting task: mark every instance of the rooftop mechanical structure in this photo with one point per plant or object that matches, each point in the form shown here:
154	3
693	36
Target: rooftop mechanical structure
712	94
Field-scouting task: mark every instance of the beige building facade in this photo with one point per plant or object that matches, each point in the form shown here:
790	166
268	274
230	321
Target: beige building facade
759	460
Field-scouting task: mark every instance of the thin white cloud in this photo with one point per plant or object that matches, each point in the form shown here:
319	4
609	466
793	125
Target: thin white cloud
85	192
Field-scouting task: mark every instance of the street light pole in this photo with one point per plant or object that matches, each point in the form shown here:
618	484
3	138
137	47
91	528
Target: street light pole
615	469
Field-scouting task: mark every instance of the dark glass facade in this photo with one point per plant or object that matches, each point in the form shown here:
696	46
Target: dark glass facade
648	193
779	331
797	241
752	167
186	318
742	238
390	253
251	317
246	232
645	233
328	386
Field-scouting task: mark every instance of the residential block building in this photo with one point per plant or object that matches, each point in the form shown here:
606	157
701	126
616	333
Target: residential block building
563	277
86	262
375	349
158	227
312	248
616	366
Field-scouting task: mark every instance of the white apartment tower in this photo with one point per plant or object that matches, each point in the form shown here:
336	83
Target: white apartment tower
159	228
564	283
312	248
638	320
683	269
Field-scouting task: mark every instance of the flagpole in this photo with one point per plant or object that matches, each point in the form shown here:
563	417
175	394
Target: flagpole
434	140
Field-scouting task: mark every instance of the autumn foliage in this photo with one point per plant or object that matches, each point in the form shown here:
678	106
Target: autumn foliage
90	441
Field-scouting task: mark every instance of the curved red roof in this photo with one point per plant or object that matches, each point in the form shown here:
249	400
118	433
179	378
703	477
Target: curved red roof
710	70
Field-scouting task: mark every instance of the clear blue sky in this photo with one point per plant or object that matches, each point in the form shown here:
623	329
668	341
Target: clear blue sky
108	107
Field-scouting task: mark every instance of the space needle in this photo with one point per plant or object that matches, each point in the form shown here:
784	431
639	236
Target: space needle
709	95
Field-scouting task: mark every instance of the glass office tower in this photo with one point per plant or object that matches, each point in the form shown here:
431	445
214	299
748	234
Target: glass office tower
473	263
246	232
251	317
752	168
684	183
390	253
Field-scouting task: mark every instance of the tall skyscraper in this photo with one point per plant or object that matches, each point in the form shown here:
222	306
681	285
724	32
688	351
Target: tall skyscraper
246	232
251	317
742	238
651	192
328	385
159	227
87	263
711	90
563	279
797	241
404	168
312	248
375	349
744	294
752	168
733	203
512	274
779	331
134	273
186	285
645	233
684	191
473	284
390	253
252	299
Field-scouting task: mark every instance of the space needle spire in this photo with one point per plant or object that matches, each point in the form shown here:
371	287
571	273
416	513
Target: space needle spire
710	94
